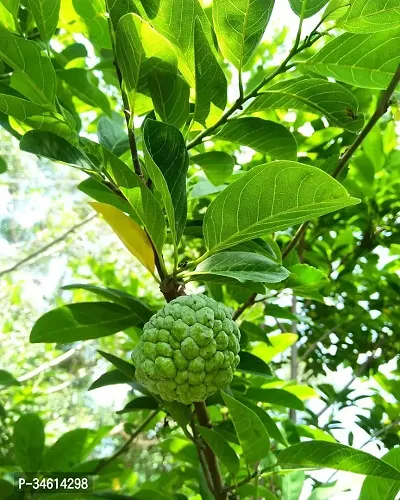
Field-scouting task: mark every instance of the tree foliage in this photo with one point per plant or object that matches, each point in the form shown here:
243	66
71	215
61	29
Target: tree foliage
227	161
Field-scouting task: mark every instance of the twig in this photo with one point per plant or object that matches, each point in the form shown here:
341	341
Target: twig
314	345
243	481
250	302
358	373
242	99
294	356
381	108
49	364
46	247
202	458
211	459
127	111
127	444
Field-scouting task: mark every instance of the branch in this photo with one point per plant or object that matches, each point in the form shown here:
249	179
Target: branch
381	108
250	302
242	99
49	364
314	345
46	247
358	373
294	354
127	111
211	459
127	444
202	458
246	480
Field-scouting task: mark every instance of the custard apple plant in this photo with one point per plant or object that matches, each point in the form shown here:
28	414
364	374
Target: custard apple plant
188	349
206	187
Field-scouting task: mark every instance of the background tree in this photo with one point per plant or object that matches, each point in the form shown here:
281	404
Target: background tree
259	167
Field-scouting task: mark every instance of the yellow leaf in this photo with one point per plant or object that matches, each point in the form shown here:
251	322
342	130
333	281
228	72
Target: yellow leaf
129	232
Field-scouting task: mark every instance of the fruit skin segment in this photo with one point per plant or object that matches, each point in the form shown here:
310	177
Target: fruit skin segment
189	349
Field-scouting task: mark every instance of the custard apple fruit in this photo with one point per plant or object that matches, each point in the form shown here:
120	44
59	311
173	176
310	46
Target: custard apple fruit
188	349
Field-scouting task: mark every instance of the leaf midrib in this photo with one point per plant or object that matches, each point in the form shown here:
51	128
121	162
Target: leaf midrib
226	243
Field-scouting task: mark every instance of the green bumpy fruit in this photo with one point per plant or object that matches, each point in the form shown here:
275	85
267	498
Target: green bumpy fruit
188	349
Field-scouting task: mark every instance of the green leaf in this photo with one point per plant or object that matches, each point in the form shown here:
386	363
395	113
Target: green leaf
261	135
45	13
292	485
146	58
336	456
307	280
269	198
252	434
122	365
6	489
277	344
12	6
83	321
278	397
268	422
367	61
93	13
312	6
33	75
77	79
3	165
6	379
55	148
179	412
178	28
28	440
112	135
211	85
221	449
253	364
118	296
314	95
241	266
170	94
145	206
167	163
100	192
110	378
140	403
240	26
118	8
385	489
371	16
66	452
217	165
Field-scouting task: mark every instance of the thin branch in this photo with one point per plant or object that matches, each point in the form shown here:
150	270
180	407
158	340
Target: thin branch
211	459
127	111
127	444
294	355
358	373
250	302
46	247
200	453
314	345
242	99
246	480
48	364
381	108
